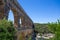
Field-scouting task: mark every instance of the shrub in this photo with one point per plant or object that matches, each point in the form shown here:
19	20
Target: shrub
55	28
7	30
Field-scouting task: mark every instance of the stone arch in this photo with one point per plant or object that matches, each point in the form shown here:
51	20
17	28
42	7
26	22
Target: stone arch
18	14
16	19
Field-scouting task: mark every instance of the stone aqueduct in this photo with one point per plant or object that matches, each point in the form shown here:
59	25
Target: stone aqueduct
26	27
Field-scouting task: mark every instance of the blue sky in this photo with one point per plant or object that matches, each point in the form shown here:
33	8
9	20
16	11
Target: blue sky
40	11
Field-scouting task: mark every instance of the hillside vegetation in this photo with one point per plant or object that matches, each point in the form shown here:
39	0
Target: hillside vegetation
53	28
41	28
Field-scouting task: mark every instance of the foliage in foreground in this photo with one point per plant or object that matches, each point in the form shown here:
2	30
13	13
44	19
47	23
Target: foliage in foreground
55	29
7	30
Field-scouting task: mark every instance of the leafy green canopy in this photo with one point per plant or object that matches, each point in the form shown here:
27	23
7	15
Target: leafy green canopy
7	30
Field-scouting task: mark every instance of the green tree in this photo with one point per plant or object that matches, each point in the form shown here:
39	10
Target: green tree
7	30
55	28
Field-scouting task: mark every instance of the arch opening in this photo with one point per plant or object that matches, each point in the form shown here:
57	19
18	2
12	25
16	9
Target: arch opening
11	16
20	23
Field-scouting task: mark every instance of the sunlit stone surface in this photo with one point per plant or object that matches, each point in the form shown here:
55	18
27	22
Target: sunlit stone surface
26	27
